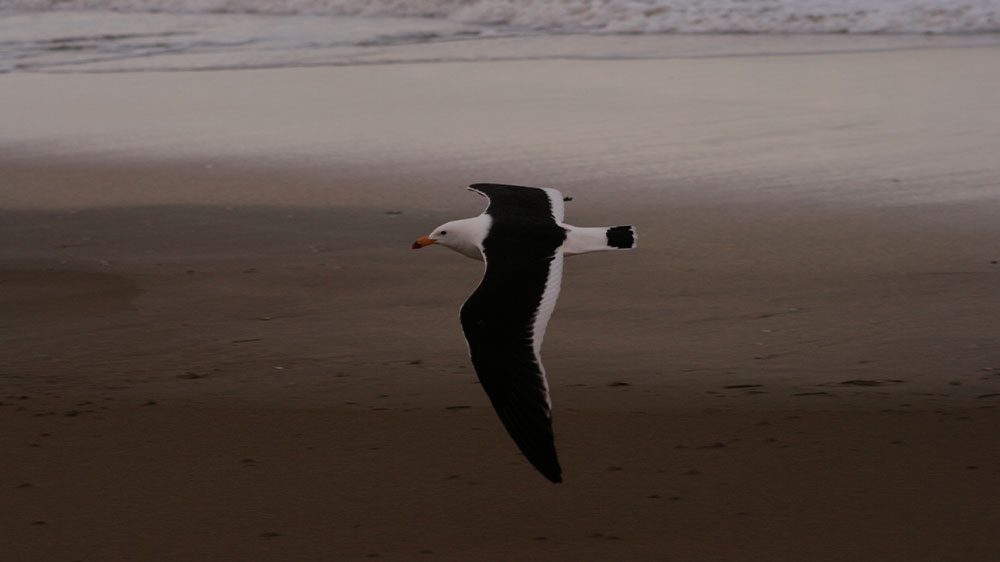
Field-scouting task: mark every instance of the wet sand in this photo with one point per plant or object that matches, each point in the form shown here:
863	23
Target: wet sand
235	354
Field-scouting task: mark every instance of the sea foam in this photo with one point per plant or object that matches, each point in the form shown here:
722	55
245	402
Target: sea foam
597	16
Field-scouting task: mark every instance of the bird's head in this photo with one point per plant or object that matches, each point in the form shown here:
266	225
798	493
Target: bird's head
438	236
464	236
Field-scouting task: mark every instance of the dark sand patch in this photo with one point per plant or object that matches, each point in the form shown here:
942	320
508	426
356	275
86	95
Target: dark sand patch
311	484
62	293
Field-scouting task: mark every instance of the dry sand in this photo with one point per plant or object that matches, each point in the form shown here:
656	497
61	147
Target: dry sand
217	344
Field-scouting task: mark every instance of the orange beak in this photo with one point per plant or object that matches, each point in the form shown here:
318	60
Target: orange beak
421	242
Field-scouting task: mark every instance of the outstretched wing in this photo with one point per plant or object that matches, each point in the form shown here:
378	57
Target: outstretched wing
505	318
527	201
504	322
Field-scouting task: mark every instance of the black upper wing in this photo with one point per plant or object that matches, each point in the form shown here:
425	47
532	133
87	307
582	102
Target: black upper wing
510	200
499	319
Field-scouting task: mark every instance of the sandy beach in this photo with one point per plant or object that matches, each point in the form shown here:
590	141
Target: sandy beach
217	344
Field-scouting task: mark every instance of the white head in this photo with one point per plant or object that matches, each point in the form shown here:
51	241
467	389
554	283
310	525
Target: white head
464	236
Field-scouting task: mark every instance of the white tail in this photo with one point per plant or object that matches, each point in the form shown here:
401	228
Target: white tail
598	239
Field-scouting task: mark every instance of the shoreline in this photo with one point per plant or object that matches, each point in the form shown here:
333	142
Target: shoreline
884	129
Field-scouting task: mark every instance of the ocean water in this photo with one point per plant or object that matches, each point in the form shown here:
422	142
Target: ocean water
135	35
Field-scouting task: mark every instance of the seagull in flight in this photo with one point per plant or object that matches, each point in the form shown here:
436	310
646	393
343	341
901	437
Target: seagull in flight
522	239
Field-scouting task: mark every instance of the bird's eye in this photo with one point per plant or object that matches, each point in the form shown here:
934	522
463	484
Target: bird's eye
443	232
